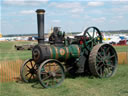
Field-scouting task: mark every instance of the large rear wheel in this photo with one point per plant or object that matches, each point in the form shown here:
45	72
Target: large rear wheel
103	61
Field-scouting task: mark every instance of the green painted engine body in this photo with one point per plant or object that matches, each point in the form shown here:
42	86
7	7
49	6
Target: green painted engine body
62	53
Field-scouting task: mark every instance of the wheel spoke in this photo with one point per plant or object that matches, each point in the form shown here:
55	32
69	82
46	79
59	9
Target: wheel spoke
111	66
99	55
35	67
89	41
46	78
111	57
98	62
49	66
93	32
58	75
107	50
108	54
28	67
92	45
89	35
99	58
47	83
100	67
27	74
54	67
103	50
43	72
30	78
95	41
32	65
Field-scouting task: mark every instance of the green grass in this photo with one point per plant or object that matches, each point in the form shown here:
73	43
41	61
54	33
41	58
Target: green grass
121	48
80	86
8	52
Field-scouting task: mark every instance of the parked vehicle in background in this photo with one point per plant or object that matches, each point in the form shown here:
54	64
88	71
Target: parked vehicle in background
24	47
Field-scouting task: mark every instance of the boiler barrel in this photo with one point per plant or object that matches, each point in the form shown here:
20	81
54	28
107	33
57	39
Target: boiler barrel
43	52
64	53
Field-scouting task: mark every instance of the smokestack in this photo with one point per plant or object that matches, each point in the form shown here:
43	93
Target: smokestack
40	24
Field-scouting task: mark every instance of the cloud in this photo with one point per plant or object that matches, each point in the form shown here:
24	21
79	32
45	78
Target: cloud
96	11
74	7
120	0
27	12
77	10
95	3
120	10
120	17
101	19
66	5
25	2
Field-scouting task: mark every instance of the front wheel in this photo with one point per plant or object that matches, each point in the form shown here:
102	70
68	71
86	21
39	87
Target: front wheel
51	73
28	71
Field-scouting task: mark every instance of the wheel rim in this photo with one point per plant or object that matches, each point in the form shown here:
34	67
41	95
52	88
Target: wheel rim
51	73
92	36
28	71
104	61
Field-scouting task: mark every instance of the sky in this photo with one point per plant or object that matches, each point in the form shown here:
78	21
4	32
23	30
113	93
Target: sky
19	16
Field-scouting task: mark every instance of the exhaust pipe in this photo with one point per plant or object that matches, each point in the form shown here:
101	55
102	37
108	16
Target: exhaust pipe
40	25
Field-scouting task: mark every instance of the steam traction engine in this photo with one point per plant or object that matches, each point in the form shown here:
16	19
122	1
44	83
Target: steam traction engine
80	55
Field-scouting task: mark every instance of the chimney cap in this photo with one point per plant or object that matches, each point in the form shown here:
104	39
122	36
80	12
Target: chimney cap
40	11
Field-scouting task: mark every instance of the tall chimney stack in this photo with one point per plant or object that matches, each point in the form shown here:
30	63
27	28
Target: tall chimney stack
40	24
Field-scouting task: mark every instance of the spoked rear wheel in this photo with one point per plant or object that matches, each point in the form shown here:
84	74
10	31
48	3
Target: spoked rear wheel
51	73
28	71
103	61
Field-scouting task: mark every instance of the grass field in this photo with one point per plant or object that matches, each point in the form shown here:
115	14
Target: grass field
79	86
121	48
8	52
